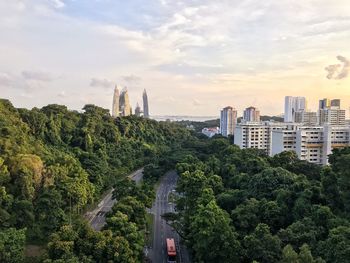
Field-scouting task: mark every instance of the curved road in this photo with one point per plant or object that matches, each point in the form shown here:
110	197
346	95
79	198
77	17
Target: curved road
161	230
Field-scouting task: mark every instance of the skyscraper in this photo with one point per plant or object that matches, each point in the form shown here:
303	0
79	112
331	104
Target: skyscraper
145	104
228	120
124	103
251	114
324	104
291	106
138	110
115	106
335	103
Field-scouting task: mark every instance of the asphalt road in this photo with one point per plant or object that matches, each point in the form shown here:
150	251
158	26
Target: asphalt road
161	230
97	217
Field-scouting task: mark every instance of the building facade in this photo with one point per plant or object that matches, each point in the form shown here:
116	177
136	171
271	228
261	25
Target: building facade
210	132
292	105
312	144
251	114
115	105
145	104
228	121
306	117
256	135
332	116
138	110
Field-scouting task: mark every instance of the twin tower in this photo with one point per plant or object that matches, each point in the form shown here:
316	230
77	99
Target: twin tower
121	104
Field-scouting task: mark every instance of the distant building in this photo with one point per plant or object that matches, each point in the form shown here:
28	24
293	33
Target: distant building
313	144
115	106
324	104
228	121
335	103
251	114
332	115
306	117
210	132
291	106
138	110
256	135
124	103
145	104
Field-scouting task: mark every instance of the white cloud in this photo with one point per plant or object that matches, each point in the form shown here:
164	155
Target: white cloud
58	3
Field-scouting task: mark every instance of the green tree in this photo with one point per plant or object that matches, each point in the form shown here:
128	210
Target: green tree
12	245
210	228
262	246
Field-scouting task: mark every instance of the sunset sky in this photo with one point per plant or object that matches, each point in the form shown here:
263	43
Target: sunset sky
193	56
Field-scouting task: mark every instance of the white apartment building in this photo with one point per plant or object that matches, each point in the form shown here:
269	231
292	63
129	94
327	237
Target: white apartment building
291	106
311	143
228	121
256	134
251	114
306	117
332	116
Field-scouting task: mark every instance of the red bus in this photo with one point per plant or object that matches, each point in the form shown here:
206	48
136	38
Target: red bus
171	250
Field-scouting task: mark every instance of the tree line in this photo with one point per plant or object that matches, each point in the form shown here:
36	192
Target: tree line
239	205
55	162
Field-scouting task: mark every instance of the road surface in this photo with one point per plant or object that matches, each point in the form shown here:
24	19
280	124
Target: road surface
97	217
161	230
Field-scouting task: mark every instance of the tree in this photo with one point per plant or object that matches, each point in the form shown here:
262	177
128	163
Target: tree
262	246
12	245
330	189
210	228
119	224
336	248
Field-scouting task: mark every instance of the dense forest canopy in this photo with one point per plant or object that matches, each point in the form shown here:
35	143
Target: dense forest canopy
54	162
233	205
242	206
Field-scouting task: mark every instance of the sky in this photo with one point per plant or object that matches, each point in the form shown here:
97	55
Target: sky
193	57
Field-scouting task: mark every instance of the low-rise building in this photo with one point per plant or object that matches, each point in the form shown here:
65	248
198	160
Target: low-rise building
210	132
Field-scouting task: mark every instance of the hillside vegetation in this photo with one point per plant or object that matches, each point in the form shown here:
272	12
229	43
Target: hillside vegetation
243	206
54	162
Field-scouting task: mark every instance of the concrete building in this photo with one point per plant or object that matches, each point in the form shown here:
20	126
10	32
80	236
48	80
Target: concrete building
292	105
145	104
251	114
324	104
138	110
256	135
115	106
210	132
311	143
228	121
124	103
332	116
335	103
306	117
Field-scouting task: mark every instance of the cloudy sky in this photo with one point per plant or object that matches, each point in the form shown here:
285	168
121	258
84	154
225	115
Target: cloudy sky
193	56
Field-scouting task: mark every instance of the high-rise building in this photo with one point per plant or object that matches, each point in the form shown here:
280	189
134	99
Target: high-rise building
291	106
228	121
138	110
251	114
313	144
332	116
145	104
115	106
256	135
306	117
324	104
335	103
124	103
